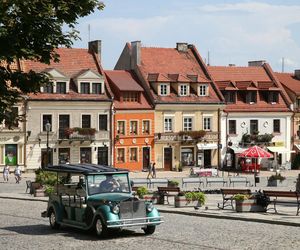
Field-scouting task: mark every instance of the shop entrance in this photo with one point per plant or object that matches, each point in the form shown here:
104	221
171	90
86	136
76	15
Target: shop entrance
146	158
168	159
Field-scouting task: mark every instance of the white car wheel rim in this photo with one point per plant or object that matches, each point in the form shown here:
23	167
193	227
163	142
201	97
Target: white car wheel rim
52	219
99	226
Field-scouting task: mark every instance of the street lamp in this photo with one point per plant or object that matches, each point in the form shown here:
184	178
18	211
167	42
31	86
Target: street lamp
48	129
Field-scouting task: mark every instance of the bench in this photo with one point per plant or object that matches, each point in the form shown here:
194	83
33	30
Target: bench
291	197
185	181
236	179
166	192
228	194
140	182
210	180
158	181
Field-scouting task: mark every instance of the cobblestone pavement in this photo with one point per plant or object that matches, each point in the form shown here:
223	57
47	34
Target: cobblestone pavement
21	227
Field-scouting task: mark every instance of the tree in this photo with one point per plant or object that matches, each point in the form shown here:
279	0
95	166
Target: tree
32	30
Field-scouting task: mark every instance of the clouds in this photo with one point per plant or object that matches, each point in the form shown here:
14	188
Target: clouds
233	32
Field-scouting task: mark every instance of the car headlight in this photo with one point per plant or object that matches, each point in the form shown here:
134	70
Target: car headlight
149	207
115	209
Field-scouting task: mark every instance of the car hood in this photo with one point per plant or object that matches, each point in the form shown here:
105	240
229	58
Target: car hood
109	197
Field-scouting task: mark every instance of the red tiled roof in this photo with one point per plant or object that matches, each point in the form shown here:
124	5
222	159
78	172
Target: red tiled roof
123	80
72	61
289	81
239	74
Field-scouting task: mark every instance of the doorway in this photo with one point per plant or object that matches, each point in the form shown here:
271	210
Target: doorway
103	156
207	158
168	159
46	160
146	158
85	155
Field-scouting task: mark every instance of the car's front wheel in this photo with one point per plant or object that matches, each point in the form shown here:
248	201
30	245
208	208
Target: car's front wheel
53	220
149	230
100	227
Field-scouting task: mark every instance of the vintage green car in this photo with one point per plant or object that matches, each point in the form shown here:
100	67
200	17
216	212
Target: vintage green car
97	197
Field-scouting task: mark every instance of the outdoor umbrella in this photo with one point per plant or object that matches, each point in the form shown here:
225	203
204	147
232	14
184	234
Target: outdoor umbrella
256	152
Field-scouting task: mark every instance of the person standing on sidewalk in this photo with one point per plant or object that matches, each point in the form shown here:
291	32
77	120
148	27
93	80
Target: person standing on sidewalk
153	170
18	174
6	173
149	171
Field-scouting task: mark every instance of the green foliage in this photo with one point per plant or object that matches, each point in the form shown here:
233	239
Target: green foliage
33	30
241	197
255	137
276	177
49	189
198	134
141	191
45	177
80	131
173	183
196	196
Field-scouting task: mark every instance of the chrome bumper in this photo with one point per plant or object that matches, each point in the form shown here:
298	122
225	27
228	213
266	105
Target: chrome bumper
135	222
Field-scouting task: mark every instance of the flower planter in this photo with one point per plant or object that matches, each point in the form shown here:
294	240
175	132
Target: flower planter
277	183
152	197
249	205
40	192
181	201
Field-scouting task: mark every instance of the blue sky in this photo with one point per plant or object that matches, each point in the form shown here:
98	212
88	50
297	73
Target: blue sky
232	31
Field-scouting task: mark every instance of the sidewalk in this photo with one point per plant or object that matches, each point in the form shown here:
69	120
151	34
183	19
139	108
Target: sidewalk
286	215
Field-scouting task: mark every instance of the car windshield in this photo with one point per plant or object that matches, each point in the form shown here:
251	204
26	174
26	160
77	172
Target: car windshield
107	183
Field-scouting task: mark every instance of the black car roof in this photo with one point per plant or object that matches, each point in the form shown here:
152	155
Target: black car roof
83	168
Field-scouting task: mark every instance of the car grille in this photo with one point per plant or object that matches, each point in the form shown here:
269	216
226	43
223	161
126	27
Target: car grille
132	209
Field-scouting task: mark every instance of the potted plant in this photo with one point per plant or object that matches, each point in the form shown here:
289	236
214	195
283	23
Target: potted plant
173	183
276	180
247	203
143	193
193	199
44	180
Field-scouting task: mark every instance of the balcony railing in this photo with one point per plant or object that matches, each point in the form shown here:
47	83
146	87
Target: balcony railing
181	137
77	134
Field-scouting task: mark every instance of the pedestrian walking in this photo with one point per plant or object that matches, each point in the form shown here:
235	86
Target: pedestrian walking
149	171
18	174
6	173
153	170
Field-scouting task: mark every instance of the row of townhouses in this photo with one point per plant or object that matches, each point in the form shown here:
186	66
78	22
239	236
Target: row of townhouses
162	105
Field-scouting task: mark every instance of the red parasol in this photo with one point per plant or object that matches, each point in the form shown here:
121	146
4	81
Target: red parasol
256	152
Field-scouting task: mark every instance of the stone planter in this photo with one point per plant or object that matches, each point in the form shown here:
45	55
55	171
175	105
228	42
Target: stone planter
249	205
181	201
152	197
40	192
277	183
34	186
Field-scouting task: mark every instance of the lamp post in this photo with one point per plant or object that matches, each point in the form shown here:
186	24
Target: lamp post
48	129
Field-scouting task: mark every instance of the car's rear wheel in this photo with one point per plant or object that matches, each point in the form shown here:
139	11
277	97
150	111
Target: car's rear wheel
149	230
53	220
100	227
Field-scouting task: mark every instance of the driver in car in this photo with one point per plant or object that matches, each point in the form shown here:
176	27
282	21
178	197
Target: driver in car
109	185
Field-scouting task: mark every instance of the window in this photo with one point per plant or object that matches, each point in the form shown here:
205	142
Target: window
251	97
130	97
276	126
298	103
85	88
207	123
11	118
103	156
273	97
86	121
183	90
46	119
120	155
103	122
187	156
232	127
48	88
11	154
146	127
168	124
229	96
133	127
163	89
203	90
61	87
63	155
133	154
121	127
64	123
253	126
96	88
187	124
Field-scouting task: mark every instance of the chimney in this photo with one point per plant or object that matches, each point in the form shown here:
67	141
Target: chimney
231	65
95	47
182	47
258	63
297	74
135	53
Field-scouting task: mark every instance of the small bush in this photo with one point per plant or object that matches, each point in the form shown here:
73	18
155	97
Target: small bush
45	177
241	197
173	183
141	191
276	177
196	196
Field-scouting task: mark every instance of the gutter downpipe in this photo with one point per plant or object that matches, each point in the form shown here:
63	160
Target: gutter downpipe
112	117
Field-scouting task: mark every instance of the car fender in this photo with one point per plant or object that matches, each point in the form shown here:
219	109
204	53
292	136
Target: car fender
153	213
57	209
104	211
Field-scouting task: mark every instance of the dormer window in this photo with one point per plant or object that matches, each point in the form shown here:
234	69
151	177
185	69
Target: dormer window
251	97
163	89
96	88
183	90
203	90
84	87
273	97
61	87
229	96
48	88
130	97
